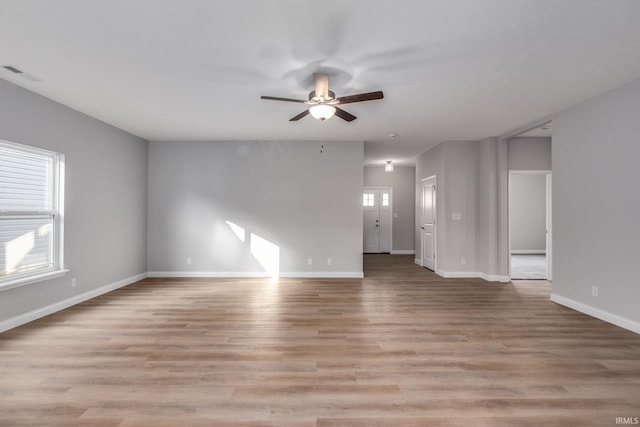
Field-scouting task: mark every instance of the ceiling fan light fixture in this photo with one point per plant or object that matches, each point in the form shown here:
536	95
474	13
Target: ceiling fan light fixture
388	167
322	111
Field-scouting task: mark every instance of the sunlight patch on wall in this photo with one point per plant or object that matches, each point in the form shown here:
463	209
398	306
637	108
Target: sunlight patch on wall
267	254
237	230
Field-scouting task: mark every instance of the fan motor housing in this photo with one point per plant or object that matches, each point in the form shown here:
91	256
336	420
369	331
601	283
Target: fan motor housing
313	97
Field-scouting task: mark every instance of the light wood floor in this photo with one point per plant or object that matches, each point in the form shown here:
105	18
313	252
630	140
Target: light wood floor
402	347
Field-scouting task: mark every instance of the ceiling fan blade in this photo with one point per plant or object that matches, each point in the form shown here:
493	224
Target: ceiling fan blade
321	85
369	96
344	115
277	98
305	113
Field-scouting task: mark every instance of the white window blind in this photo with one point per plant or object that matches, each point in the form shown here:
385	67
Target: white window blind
28	210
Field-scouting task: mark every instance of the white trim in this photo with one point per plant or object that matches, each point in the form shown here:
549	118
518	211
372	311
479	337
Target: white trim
528	252
192	274
417	261
495	278
457	274
597	313
472	275
30	316
403	252
324	274
258	274
27	280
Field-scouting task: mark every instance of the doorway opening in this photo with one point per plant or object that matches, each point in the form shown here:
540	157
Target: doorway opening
530	225
377	207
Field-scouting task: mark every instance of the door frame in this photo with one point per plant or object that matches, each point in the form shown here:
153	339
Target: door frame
548	217
390	189
435	229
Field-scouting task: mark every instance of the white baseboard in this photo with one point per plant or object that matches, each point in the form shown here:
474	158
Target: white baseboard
30	316
495	278
403	252
260	274
457	274
597	313
324	274
528	252
472	275
417	261
195	274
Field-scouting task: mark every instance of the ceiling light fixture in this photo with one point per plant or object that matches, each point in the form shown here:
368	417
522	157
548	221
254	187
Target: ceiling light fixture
388	167
322	111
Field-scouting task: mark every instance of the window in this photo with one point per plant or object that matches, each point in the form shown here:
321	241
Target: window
31	183
385	199
367	199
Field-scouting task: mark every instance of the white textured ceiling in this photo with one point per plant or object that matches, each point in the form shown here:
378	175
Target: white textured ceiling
195	69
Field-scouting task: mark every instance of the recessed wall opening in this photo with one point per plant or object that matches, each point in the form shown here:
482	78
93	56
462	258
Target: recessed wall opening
530	218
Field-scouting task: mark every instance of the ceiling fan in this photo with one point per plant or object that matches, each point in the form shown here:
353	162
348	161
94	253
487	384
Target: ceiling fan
323	102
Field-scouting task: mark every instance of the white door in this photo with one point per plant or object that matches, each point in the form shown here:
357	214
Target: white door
549	240
428	224
377	222
371	220
385	220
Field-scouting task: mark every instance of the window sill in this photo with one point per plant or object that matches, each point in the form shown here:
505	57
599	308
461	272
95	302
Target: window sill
15	283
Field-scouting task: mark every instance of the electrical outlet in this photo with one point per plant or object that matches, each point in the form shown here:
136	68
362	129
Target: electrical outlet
329	261
73	282
188	261
309	261
463	261
594	291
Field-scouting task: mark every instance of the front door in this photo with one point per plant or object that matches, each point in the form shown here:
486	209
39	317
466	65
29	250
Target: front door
428	224
377	222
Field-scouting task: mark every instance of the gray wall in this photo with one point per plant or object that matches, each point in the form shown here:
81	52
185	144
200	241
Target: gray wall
461	175
402	181
487	207
105	198
431	163
596	202
528	200
455	165
529	154
306	203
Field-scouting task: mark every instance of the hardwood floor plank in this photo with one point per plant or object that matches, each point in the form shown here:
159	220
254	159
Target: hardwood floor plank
402	347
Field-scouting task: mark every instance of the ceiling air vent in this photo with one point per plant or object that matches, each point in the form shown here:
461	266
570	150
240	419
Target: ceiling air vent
12	69
21	73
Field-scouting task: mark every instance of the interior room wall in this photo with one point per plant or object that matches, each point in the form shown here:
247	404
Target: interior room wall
455	165
486	208
105	202
402	181
460	208
528	199
530	153
430	163
596	206
292	202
